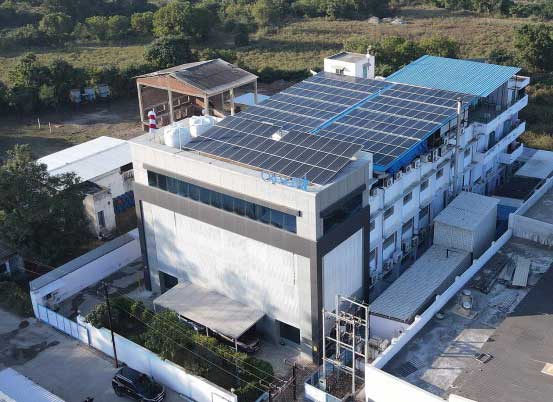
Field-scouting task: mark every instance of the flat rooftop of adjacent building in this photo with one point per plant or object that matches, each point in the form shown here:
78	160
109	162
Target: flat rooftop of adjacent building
444	349
465	76
412	291
348	57
520	347
90	159
518	187
539	165
467	211
542	210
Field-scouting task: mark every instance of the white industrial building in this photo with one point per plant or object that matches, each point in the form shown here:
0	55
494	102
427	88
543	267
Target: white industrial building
104	166
275	208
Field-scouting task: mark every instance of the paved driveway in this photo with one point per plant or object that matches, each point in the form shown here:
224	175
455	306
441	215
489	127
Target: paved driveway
57	362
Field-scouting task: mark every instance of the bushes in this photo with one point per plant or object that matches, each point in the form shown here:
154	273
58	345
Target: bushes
56	26
142	23
107	28
15	298
168	51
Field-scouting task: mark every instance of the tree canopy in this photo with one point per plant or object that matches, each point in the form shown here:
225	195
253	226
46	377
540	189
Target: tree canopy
169	51
41	216
534	43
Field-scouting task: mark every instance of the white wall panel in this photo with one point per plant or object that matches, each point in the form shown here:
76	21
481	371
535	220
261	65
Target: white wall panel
343	269
241	268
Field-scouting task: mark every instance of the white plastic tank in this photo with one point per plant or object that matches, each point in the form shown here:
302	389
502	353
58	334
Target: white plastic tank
200	124
176	136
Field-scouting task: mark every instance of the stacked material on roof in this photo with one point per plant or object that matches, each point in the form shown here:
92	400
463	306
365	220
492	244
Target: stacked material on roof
467	223
415	289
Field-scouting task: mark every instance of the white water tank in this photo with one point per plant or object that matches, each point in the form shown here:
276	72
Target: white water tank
176	136
200	124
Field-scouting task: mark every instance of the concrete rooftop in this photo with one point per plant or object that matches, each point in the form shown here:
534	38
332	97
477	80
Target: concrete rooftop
445	348
543	209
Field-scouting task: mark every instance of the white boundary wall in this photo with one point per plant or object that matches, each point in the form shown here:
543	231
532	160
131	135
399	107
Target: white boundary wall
73	282
441	300
163	371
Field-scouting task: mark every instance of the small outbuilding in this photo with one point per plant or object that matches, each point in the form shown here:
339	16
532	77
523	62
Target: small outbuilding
10	260
467	223
15	387
192	89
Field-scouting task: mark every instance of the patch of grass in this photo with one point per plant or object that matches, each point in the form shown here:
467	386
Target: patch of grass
15	299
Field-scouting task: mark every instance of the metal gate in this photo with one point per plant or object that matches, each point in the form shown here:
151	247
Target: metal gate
63	324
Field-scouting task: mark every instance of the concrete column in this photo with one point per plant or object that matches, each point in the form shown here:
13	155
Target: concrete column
171	112
139	90
231	101
206	105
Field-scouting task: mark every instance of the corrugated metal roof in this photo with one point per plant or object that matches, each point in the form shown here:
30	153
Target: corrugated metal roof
405	298
19	388
90	159
210	309
467	211
469	77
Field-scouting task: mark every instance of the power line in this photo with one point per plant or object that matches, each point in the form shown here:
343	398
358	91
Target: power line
183	332
191	351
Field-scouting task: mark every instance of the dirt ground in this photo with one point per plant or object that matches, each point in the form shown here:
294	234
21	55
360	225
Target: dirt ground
71	126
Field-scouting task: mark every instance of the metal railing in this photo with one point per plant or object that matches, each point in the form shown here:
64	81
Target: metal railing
486	112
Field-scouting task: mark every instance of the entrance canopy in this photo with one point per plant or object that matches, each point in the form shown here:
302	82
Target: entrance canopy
210	309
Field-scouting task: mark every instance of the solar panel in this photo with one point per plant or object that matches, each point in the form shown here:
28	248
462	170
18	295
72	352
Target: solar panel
295	154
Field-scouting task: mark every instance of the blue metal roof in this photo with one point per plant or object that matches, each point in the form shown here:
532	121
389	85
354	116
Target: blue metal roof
469	77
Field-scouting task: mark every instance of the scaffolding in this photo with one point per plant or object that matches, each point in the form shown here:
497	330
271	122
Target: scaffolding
347	339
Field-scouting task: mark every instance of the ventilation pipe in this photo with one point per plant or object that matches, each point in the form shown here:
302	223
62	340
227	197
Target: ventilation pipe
458	178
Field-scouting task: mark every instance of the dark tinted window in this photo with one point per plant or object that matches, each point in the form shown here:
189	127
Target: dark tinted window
222	201
342	212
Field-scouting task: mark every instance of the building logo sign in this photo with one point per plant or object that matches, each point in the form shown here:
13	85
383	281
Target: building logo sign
296	182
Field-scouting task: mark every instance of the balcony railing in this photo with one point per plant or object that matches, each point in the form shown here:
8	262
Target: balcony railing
511	155
485	157
486	112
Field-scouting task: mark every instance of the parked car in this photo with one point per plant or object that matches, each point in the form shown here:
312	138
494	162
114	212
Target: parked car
247	343
136	385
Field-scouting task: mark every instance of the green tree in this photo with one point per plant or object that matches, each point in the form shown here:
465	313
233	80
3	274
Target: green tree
201	21
169	51
440	46
56	26
172	19
534	44
118	26
142	23
98	27
27	72
266	13
41	216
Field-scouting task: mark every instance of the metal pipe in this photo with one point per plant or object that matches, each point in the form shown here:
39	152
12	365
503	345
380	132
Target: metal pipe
106	294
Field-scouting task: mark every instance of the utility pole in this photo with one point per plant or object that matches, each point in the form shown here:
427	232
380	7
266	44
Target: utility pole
106	294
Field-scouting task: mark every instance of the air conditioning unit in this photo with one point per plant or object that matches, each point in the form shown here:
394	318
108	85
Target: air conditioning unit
407	169
446	141
414	241
387	265
373	192
443	150
406	246
467	188
416	163
388	182
426	158
435	154
397	256
397	176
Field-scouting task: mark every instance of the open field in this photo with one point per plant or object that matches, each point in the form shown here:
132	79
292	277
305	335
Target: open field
296	47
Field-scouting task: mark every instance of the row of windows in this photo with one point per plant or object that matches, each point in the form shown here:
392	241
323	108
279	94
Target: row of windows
342	213
228	203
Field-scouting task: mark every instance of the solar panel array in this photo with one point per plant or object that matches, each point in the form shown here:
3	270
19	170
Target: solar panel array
295	154
384	118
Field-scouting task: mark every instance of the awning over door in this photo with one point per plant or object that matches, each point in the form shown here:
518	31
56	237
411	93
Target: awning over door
210	309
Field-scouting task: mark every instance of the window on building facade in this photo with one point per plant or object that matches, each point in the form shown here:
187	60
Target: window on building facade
407	198
467	152
390	240
439	173
389	212
407	226
424	212
343	212
226	202
372	225
424	185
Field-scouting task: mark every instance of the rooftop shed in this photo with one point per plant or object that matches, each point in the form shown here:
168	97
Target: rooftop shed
467	223
416	288
191	89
